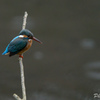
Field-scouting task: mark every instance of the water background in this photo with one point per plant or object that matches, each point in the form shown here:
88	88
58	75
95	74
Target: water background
67	65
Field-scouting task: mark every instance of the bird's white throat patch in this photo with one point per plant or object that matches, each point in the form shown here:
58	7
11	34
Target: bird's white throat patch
29	39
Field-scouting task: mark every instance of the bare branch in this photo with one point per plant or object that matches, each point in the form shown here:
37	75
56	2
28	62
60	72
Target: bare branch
24	20
22	67
16	97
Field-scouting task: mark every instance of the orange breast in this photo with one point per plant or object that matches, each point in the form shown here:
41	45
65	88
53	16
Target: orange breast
27	47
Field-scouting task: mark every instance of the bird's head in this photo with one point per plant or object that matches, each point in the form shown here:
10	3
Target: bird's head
29	34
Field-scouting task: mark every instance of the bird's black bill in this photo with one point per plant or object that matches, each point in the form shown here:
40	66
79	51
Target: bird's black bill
37	40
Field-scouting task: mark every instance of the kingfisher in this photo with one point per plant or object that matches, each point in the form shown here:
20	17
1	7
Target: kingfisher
20	43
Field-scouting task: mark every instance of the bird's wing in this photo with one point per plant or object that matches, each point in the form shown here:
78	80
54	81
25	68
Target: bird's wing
17	45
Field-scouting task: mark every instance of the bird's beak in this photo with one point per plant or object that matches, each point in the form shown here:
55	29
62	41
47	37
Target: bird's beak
37	40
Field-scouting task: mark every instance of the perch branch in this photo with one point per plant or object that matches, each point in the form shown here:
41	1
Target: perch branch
22	67
24	20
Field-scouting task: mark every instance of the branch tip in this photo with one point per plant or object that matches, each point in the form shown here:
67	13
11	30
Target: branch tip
16	97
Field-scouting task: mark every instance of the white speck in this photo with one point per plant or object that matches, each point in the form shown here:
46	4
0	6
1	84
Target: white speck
38	55
92	70
87	43
21	36
29	39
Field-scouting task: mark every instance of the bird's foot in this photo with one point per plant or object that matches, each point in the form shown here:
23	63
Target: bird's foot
21	56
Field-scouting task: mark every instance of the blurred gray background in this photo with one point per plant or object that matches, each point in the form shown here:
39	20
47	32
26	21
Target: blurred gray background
67	65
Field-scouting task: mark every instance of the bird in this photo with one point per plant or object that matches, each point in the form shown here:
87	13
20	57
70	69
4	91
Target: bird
20	43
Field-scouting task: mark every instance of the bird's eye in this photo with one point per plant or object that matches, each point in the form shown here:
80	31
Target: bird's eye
29	35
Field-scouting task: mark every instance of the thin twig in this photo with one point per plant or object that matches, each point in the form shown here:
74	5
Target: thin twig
22	68
16	97
24	20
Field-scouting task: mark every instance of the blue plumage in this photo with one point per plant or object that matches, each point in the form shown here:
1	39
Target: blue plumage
14	38
6	51
16	45
20	43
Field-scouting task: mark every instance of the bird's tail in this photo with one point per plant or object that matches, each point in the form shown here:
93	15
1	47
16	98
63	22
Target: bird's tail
5	52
